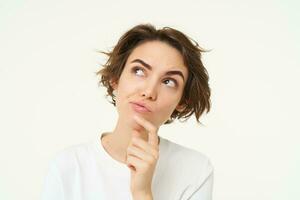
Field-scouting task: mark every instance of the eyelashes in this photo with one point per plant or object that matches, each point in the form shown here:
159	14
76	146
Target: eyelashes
136	68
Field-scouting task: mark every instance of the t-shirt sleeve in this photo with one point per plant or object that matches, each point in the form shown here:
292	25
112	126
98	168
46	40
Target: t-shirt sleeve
203	189
52	187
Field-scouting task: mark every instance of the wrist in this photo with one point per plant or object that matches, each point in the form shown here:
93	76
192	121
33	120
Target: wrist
142	196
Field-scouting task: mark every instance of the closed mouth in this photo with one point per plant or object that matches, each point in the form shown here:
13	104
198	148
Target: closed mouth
139	108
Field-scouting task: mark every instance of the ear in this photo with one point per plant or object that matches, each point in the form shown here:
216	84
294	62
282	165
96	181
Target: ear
113	83
180	107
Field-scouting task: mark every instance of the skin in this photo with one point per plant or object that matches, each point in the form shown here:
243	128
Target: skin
135	141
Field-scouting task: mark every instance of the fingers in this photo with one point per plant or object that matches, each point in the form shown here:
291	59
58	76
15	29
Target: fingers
138	153
140	143
152	130
139	160
135	164
141	155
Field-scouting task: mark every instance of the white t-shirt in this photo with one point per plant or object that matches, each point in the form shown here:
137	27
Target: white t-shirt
87	172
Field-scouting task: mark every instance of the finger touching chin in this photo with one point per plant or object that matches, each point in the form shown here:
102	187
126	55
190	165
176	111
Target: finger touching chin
136	133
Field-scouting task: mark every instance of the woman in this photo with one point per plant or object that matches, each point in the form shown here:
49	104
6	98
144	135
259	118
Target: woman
153	76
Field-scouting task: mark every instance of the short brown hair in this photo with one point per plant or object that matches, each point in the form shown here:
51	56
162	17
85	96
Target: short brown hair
196	94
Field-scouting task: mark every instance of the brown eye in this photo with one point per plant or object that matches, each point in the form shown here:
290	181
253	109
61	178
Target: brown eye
172	81
137	69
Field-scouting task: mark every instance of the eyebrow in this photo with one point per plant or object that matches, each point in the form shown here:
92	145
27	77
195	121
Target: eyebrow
172	72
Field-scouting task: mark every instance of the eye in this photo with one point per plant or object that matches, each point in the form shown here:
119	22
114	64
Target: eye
138	69
172	81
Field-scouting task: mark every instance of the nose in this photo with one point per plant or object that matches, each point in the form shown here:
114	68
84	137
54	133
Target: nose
149	91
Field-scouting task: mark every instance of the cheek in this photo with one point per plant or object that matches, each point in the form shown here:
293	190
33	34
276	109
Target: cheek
126	88
166	108
124	94
169	101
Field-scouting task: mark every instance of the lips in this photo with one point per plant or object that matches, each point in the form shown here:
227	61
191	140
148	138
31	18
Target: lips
140	107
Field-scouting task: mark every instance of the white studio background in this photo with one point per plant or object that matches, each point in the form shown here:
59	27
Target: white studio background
49	97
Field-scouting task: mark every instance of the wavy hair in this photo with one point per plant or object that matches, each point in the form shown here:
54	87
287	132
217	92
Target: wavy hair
196	93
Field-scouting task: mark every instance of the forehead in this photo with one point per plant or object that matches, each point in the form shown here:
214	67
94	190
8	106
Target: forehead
160	55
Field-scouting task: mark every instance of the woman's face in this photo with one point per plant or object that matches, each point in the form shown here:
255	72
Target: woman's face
154	75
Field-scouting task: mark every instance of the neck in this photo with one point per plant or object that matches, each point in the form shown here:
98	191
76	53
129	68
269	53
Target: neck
117	142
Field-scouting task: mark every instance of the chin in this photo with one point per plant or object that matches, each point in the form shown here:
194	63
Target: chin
132	124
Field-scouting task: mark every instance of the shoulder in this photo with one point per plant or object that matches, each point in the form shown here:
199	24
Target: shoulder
187	159
70	157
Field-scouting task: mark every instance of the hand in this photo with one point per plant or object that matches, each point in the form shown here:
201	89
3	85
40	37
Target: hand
142	157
